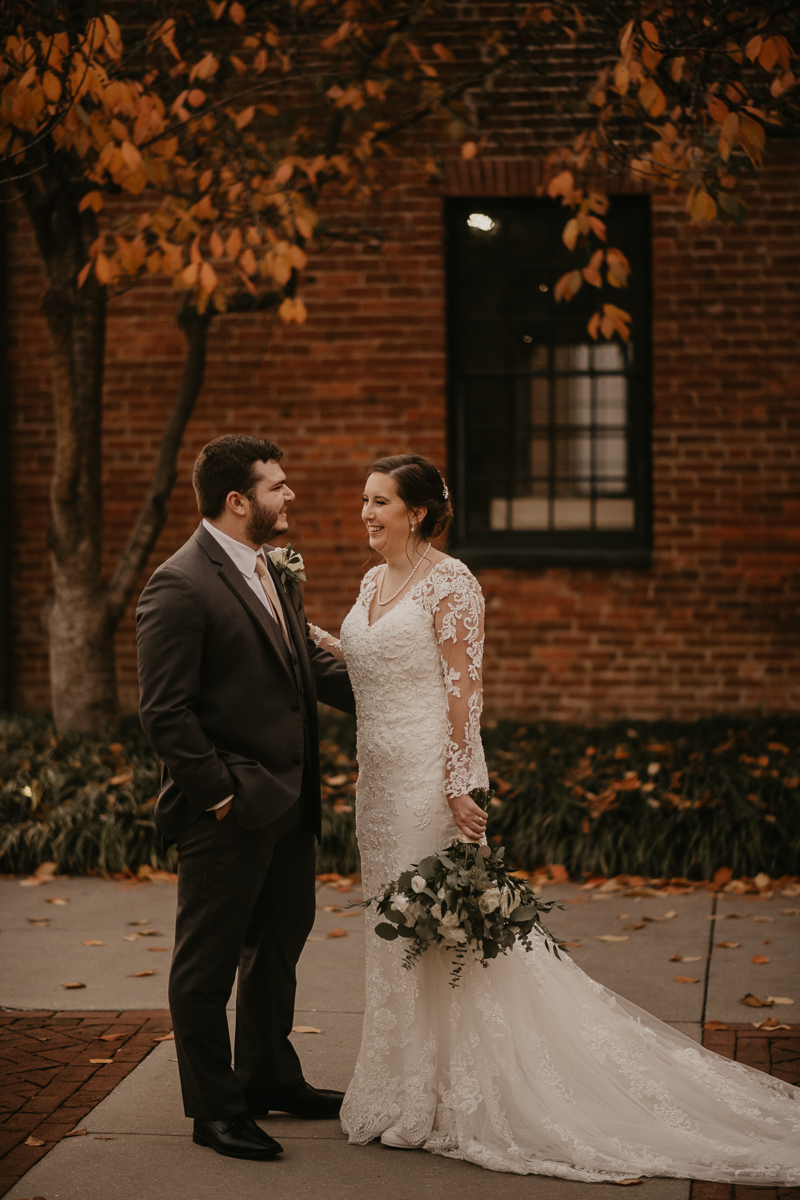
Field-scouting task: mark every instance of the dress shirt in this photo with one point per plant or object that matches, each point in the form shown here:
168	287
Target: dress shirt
244	557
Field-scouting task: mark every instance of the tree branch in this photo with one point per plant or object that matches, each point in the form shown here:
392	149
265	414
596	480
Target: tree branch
153	512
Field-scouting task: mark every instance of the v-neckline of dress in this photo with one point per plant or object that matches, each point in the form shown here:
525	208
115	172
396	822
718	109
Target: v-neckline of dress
402	600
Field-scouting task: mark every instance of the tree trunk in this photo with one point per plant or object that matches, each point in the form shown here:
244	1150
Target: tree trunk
84	693
85	611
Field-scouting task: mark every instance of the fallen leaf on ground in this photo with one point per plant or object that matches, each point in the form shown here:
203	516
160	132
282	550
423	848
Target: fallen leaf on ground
763	918
155	949
93	943
681	958
684	979
651	918
46	920
753	1001
334	933
770	1023
728	945
331	908
57	900
111	1037
634	926
77	1133
130	937
792	890
715	1025
165	1037
610	937
103	1139
73	985
736	916
780	1000
33	1141
787	912
101	1060
570	945
767	942
625	1182
671	914
140	974
305	1029
142	922
759	959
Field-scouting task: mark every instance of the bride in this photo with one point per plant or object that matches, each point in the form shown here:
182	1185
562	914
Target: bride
528	1066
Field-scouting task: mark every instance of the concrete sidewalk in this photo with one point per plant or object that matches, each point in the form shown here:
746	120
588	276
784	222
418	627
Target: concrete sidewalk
149	1153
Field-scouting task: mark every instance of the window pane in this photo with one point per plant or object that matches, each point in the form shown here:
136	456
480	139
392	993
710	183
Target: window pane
547	422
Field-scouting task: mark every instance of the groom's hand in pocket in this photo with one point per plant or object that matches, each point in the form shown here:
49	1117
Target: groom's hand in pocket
222	812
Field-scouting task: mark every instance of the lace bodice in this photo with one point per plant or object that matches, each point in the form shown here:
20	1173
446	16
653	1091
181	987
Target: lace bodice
452	598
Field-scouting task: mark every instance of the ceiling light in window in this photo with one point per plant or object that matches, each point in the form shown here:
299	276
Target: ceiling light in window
481	221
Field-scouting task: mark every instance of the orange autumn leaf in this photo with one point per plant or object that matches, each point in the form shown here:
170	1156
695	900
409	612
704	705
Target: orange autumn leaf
759	959
337	933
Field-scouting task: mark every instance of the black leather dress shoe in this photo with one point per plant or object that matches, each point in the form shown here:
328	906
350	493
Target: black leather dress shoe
302	1101
236	1137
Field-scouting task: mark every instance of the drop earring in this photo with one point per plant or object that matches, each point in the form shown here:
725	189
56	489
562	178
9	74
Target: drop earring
413	526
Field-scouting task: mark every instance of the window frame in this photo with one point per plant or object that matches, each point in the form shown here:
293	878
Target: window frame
544	548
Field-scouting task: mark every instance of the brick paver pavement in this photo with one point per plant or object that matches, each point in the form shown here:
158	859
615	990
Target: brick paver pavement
48	1081
778	1053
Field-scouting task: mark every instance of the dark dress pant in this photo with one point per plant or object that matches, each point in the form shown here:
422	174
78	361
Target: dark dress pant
246	902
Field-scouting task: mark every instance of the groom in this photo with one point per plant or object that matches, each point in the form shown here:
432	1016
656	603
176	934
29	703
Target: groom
229	682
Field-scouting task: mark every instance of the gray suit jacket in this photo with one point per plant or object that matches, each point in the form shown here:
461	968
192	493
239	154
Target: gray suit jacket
227	707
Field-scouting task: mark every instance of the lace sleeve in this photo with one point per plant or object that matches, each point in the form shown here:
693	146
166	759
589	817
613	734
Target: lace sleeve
458	619
320	638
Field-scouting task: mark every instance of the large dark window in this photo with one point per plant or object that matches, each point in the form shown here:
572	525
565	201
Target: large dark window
550	430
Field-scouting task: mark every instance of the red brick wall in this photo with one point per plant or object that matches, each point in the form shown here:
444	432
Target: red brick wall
712	626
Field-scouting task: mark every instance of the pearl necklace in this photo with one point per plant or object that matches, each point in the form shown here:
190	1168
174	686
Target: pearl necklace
394	595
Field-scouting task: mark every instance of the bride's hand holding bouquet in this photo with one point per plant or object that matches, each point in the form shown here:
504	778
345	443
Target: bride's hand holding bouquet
463	898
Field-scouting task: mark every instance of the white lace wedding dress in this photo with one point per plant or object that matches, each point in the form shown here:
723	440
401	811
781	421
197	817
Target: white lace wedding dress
528	1066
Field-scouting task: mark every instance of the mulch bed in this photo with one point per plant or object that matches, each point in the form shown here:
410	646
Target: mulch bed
778	1053
47	1081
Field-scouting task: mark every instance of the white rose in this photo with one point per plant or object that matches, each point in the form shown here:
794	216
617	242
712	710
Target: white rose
419	883
440	893
450	928
490	900
400	902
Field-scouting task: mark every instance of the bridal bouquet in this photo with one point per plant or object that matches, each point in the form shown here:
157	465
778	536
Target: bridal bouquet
464	899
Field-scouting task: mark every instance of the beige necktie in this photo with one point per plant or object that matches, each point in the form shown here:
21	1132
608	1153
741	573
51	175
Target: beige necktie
272	597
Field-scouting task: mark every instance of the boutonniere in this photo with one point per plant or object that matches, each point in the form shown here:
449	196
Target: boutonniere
289	565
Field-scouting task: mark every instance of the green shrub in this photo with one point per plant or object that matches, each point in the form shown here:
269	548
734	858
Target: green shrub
662	798
725	794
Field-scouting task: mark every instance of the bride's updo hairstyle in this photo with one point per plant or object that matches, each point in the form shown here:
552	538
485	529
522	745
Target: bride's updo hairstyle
419	485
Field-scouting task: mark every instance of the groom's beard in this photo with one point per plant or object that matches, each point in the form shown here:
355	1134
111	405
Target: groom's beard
261	523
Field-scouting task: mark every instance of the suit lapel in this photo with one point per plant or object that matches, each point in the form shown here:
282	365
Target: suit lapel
232	576
297	629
